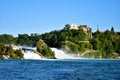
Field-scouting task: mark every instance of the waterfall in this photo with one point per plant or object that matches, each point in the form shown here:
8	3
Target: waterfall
60	54
28	52
31	55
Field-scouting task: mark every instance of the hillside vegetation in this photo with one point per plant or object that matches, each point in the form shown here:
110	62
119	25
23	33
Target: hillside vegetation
102	44
9	52
45	50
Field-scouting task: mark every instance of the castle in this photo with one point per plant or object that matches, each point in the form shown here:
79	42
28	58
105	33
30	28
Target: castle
85	28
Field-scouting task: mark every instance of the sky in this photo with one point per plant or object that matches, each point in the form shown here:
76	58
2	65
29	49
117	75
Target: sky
40	16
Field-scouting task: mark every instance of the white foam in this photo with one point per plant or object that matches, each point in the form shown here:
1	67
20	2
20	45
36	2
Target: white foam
28	54
6	56
60	54
16	47
31	55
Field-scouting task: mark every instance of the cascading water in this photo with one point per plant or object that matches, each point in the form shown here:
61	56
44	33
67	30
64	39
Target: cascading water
28	53
60	54
31	55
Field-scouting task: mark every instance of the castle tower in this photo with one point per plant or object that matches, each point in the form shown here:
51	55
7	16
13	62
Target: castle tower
74	26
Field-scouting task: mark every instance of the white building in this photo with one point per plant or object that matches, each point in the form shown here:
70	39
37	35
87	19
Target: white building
74	26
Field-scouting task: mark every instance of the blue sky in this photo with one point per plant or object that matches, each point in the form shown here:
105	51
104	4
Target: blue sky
40	16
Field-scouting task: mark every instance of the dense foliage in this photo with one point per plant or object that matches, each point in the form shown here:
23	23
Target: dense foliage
25	39
58	38
22	39
44	49
7	39
8	51
102	45
107	43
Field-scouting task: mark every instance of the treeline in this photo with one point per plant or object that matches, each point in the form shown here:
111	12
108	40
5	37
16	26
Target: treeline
53	39
7	39
103	44
22	39
25	39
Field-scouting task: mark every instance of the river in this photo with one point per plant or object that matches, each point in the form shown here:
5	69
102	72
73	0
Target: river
75	69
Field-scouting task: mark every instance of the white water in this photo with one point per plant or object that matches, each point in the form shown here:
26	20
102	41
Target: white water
28	54
60	54
6	56
31	55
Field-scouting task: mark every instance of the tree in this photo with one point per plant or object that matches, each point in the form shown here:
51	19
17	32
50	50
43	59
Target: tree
107	35
34	38
82	47
6	39
112	31
23	39
67	27
107	48
95	43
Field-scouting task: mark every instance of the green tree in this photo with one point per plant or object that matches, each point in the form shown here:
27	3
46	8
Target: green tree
95	43
23	39
34	38
6	39
107	35
82	47
67	27
112	31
